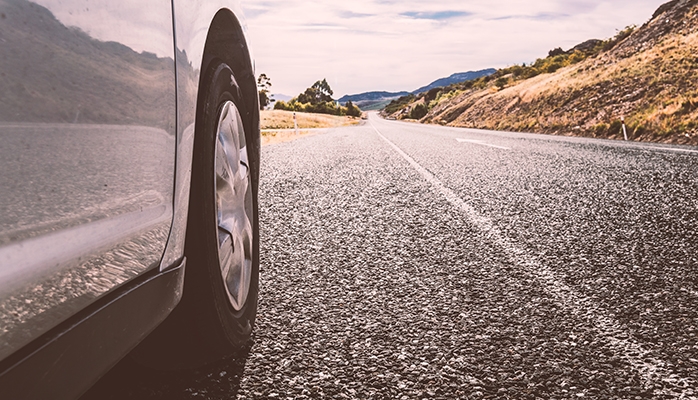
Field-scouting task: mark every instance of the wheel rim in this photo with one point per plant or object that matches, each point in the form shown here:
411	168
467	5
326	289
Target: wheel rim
233	206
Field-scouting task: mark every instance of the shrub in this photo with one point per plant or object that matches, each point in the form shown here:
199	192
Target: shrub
601	129
501	82
431	94
281	105
352	110
419	111
615	127
552	67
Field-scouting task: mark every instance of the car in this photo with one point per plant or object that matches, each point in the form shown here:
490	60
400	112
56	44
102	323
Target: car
129	176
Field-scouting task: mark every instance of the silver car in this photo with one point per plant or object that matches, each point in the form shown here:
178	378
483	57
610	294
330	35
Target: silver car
129	170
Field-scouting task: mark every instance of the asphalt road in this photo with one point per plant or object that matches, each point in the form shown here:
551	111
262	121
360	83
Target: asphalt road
409	261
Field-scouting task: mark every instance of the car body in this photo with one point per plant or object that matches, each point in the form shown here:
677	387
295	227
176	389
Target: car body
100	104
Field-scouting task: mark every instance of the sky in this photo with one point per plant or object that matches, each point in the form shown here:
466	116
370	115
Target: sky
391	45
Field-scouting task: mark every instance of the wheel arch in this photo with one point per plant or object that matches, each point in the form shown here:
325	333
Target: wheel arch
226	42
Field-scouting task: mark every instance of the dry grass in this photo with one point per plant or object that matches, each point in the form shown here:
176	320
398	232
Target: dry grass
278	127
272	137
279	119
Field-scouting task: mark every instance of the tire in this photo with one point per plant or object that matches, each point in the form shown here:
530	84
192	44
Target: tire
219	304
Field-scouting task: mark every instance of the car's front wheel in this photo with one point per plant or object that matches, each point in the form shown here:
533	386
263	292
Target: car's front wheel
219	304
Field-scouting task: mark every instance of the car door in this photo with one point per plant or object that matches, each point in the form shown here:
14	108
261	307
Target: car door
87	154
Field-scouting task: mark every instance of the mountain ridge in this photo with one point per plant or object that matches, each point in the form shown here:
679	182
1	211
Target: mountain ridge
376	100
455	78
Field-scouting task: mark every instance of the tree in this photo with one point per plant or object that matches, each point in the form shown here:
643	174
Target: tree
316	99
352	110
320	92
324	89
263	86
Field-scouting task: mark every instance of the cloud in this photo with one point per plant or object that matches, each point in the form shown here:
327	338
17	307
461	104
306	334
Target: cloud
436	15
351	14
394	45
255	12
321	27
536	17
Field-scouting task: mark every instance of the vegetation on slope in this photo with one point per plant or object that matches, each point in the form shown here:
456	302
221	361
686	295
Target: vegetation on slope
646	75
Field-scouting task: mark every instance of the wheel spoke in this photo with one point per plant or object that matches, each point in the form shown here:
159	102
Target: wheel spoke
233	202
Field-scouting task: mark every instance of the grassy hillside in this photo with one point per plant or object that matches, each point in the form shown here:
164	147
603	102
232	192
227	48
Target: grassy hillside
647	75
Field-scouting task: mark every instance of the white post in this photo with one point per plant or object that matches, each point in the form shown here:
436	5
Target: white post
295	123
625	133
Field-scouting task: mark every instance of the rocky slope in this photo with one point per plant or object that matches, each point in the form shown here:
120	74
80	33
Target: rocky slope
647	77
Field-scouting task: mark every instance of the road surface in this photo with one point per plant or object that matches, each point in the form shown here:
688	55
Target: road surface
408	261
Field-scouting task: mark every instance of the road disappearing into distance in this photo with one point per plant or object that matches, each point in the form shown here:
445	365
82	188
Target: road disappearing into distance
401	259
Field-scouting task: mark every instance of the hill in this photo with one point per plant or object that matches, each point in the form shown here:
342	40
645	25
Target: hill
371	96
646	75
456	78
281	97
371	100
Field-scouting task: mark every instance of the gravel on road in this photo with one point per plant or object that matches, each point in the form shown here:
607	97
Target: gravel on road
374	285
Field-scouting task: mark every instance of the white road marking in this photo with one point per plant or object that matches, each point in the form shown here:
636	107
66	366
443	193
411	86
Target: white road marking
480	142
665	149
652	370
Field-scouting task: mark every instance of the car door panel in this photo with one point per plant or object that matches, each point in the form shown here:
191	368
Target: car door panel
87	154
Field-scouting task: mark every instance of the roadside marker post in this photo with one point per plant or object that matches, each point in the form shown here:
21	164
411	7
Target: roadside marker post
625	132
295	123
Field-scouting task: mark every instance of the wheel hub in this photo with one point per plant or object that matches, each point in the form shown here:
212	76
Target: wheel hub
233	205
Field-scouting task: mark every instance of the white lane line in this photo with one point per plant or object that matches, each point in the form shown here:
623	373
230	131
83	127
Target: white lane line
480	142
665	149
652	370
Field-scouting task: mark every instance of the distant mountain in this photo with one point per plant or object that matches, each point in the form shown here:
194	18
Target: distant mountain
281	97
371	100
371	96
456	78
377	100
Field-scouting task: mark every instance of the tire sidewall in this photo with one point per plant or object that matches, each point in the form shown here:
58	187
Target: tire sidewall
235	325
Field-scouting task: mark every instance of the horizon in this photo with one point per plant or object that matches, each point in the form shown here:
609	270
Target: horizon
412	44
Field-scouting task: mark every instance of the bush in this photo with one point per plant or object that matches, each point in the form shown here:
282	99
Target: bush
601	129
419	111
501	82
637	130
352	110
615	127
281	105
431	94
552	67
